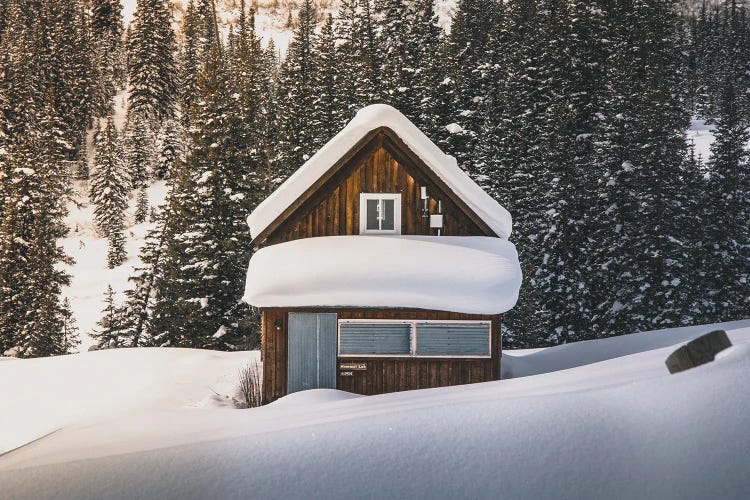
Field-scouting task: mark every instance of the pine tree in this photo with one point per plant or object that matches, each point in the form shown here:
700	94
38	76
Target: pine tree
32	316
356	57
201	272
109	184
116	253
199	33
69	68
108	335
641	277
141	207
151	63
82	166
727	238
70	339
472	60
574	82
106	18
169	149
515	160
296	87
139	150
138	309
107	30
328	114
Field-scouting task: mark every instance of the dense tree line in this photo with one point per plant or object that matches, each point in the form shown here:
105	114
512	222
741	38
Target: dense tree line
571	113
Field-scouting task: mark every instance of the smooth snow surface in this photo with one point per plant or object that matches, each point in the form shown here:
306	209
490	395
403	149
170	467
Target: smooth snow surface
43	395
468	274
621	427
366	120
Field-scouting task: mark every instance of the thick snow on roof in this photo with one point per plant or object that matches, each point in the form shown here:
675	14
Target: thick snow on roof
366	120
470	274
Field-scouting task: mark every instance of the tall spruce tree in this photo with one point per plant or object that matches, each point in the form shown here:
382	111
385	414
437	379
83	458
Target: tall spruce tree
726	253
296	95
202	267
328	113
473	62
641	268
151	62
139	149
109	332
356	57
32	314
109	193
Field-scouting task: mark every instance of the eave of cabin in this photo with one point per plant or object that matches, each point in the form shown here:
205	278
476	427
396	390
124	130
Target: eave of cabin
379	137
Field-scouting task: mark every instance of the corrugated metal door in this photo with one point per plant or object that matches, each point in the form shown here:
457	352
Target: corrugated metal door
312	351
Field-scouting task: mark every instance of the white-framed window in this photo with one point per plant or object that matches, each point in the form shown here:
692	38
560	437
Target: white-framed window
360	338
380	213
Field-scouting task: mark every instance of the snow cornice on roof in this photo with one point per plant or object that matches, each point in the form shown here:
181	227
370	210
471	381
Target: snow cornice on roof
367	120
464	274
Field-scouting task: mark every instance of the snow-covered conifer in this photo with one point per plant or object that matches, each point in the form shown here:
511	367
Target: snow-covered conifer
151	62
109	182
32	316
139	147
108	334
141	207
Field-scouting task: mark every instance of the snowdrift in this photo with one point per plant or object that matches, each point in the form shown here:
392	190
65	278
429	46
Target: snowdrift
620	427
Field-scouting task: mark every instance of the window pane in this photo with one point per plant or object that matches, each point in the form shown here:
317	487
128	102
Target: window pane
375	338
388	222
372	214
434	339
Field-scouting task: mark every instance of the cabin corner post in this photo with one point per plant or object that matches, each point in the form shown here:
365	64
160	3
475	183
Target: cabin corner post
498	345
274	354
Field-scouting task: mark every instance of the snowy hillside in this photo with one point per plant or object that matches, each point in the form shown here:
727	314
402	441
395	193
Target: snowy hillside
610	422
90	275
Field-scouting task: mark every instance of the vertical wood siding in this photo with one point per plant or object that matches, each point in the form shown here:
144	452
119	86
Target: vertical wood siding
383	374
334	211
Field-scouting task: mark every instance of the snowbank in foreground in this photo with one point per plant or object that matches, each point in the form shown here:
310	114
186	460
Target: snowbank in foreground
44	395
620	427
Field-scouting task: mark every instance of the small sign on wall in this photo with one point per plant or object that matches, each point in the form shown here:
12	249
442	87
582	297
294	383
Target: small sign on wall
347	374
353	366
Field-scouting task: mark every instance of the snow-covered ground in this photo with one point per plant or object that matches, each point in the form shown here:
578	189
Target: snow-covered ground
599	419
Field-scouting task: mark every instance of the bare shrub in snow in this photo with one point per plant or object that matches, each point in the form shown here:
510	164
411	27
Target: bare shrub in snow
248	391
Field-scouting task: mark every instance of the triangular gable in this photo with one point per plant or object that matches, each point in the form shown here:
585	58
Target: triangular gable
375	125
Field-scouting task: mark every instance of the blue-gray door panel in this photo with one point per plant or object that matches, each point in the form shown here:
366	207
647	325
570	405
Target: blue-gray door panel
327	338
312	351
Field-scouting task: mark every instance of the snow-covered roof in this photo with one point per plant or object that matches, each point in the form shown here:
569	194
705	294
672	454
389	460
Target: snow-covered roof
467	274
367	120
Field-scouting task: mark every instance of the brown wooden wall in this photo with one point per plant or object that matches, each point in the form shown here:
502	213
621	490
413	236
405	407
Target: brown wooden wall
274	354
334	209
383	374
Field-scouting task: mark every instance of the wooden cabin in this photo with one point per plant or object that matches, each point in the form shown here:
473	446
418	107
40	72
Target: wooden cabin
380	267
